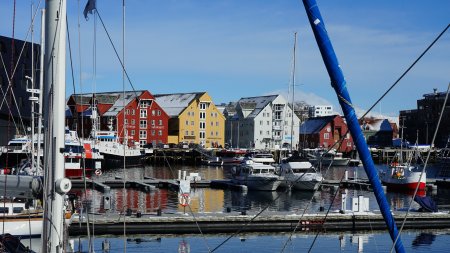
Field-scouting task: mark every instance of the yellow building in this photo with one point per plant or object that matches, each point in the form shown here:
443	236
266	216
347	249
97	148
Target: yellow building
193	119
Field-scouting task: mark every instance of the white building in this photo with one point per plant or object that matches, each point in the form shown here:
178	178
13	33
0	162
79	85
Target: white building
263	123
320	110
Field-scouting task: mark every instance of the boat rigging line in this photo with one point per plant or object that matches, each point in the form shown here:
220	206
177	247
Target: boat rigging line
425	165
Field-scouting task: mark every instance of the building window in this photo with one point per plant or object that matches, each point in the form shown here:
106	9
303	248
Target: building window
192	123
160	122
160	132
142	134
326	136
153	112
133	112
212	123
187	122
217	133
217	123
202	106
260	122
143	124
349	144
133	122
142	142
186	133
192	133
127	112
212	133
158	113
153	122
126	121
268	123
202	125
202	135
143	113
153	132
202	115
260	132
143	104
132	132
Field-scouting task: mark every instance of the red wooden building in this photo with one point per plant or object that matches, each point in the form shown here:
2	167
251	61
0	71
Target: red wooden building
133	112
323	132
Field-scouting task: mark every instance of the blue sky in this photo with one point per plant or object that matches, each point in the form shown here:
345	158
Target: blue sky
234	49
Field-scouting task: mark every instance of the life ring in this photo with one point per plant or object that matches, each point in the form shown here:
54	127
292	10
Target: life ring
98	172
184	199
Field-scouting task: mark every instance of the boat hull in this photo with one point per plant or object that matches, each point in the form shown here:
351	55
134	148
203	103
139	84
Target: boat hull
302	181
258	183
23	227
115	161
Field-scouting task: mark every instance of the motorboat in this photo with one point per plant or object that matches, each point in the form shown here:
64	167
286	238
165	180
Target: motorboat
231	156
299	173
20	218
256	176
261	157
330	158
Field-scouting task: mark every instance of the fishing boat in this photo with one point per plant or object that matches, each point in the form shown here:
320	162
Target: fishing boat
404	177
108	144
256	176
79	157
299	174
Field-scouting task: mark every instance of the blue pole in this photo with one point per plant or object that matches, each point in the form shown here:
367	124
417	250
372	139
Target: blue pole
339	85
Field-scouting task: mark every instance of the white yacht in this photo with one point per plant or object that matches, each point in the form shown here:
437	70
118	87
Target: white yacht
299	173
256	176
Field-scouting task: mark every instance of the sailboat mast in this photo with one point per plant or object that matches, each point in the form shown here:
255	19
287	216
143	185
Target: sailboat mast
41	88
339	85
54	92
293	89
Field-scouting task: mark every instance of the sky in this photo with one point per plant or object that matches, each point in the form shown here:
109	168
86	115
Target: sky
233	49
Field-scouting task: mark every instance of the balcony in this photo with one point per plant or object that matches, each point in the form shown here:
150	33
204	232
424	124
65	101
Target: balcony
276	127
276	138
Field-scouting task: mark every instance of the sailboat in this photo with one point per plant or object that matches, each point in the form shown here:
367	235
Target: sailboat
296	171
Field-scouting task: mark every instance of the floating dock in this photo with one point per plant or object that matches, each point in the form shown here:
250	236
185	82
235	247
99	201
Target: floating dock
180	223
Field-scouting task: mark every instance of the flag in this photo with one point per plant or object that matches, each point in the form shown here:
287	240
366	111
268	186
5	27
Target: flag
90	6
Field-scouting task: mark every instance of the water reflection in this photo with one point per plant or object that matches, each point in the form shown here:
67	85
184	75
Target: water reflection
204	200
423	239
374	241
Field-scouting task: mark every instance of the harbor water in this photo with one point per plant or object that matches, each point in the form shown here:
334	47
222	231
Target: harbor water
207	200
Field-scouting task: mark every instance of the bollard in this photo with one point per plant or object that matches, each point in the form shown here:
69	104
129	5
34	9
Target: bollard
243	212
158	212
128	212
228	209
105	246
138	214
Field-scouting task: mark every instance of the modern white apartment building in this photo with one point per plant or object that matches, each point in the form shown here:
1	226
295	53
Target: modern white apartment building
265	122
320	110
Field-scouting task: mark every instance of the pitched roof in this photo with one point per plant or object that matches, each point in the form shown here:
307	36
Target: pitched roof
114	98
174	104
314	125
256	104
